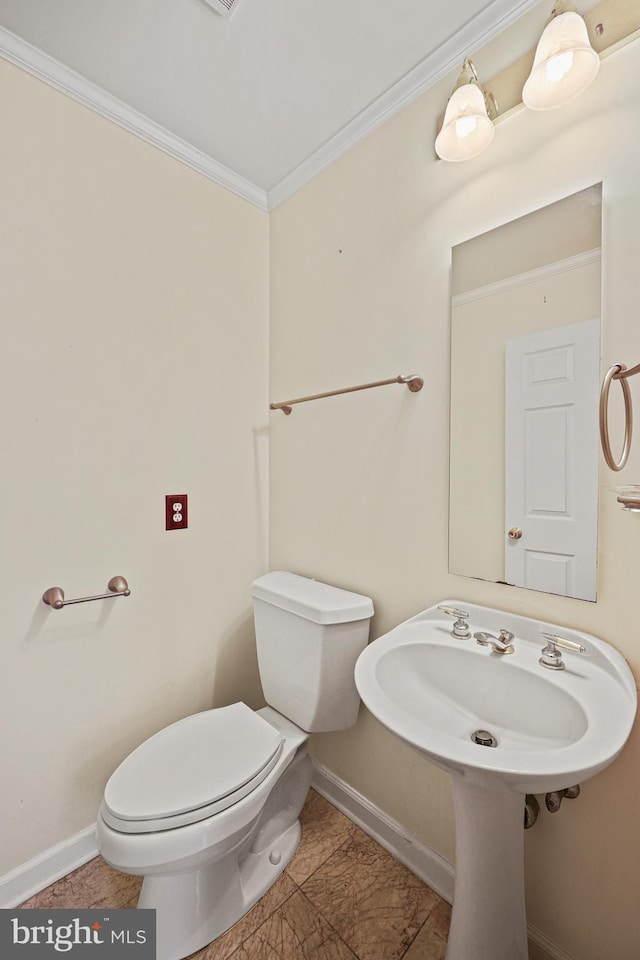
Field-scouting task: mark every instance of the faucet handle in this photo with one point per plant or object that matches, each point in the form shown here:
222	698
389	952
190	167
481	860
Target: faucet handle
551	656
461	626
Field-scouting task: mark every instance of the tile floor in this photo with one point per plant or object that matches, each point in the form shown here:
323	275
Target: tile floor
342	897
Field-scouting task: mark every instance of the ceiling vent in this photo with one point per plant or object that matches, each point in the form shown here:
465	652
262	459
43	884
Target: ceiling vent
226	8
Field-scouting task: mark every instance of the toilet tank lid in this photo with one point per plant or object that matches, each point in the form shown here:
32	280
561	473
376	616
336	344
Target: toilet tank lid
311	599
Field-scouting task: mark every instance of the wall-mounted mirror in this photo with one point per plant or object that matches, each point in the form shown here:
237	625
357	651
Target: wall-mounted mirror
525	379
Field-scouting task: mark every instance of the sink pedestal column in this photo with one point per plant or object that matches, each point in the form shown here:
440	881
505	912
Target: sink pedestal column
488	920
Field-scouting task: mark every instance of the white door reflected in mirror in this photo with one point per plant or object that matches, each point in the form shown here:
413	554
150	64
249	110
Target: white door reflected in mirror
551	457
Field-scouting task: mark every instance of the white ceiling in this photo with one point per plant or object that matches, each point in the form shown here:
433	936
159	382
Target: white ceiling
259	102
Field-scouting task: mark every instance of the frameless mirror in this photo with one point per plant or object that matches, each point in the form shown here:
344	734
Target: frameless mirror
525	379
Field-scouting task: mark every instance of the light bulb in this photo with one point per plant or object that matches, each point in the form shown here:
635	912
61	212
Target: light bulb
558	66
465	126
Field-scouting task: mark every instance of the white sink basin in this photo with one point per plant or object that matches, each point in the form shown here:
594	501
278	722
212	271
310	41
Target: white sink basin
553	728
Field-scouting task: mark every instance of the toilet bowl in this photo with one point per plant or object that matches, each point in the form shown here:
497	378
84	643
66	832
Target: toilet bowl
207	809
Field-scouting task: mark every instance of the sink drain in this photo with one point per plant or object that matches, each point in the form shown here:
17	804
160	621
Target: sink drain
484	738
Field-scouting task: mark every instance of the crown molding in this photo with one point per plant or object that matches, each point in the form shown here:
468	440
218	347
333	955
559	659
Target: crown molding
555	269
479	31
51	71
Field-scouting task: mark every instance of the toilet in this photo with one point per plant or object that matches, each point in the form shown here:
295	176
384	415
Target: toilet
207	809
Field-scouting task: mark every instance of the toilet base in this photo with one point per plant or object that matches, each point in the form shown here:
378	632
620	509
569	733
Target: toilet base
194	908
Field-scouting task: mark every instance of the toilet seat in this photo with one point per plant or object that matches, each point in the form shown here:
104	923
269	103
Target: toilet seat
191	770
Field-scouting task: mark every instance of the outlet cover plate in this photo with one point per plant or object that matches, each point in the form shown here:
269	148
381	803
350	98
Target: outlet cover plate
176	511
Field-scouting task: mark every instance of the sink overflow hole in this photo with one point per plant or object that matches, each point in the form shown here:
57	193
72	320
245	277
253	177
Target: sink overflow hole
484	738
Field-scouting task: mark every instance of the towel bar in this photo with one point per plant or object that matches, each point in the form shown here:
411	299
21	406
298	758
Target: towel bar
117	587
413	381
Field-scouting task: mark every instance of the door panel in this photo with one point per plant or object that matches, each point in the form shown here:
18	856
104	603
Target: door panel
551	482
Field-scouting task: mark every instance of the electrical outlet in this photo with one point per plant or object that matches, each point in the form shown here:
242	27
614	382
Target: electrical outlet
175	510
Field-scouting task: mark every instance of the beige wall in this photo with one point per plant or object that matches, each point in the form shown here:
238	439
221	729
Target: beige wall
133	293
359	485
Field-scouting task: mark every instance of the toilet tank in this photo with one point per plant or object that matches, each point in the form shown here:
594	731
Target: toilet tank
309	636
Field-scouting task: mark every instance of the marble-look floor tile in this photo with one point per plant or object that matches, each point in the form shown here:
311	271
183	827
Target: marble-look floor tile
374	903
294	932
439	919
95	884
324	829
225	945
427	946
356	901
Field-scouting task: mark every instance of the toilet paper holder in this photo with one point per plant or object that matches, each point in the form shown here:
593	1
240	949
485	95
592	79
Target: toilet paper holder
117	587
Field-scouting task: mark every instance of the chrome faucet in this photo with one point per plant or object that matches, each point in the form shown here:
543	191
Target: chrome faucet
500	644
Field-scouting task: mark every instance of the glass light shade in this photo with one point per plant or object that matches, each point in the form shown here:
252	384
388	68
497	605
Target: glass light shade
564	65
466	128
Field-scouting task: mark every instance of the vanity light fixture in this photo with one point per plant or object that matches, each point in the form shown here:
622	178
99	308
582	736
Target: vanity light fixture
467	128
565	63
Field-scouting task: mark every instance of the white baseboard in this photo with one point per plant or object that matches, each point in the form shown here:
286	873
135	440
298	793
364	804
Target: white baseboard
541	948
433	869
32	877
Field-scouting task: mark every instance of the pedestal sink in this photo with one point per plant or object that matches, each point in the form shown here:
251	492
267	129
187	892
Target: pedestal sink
549	729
